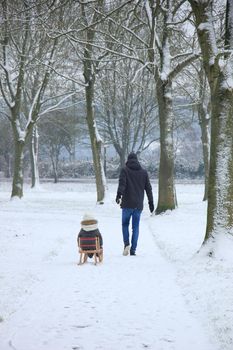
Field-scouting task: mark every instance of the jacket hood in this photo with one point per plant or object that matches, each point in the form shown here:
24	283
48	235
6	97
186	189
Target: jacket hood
89	223
133	163
132	155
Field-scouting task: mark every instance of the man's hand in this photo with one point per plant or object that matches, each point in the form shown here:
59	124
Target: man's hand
118	198
151	206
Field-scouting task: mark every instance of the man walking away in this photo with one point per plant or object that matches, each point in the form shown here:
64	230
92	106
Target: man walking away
133	181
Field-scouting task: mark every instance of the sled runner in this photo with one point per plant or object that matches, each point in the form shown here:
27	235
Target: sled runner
90	246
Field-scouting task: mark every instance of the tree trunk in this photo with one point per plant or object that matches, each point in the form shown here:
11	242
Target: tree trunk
55	174
220	191
96	143
206	152
17	186
220	188
90	75
205	137
122	159
166	195
204	122
34	157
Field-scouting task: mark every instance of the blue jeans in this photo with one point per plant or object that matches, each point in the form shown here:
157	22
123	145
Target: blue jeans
127	213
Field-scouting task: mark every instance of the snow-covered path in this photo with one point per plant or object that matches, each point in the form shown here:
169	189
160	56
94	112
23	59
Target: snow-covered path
124	303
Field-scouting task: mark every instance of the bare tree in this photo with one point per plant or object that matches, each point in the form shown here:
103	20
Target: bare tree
57	137
89	72
81	35
218	67
20	46
151	24
127	109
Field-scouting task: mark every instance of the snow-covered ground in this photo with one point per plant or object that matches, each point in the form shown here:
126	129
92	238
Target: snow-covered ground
168	297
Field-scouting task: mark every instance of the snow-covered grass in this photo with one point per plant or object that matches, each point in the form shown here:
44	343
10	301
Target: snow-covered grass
168	297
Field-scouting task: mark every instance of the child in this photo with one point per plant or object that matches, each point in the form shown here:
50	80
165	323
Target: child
89	229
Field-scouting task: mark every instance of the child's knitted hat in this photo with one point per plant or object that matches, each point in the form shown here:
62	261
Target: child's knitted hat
89	223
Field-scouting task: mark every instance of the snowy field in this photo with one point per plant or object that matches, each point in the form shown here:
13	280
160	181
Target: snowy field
168	297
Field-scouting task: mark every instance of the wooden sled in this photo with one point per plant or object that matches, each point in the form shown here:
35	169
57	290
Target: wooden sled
90	246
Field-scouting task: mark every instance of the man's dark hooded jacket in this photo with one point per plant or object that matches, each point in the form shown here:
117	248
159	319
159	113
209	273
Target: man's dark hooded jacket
133	181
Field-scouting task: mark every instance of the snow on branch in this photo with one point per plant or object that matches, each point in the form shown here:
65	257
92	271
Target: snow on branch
209	29
130	32
9	81
97	135
148	13
53	108
34	102
108	50
94	23
87	2
64	76
181	55
139	70
9	104
152	25
182	65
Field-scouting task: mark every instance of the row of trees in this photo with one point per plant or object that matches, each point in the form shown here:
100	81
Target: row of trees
124	62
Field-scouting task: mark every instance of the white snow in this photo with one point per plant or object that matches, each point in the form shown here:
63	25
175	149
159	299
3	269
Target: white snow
166	298
148	13
209	28
97	134
166	66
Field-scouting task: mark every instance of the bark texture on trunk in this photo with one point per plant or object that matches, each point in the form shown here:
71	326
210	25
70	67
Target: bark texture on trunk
166	197
55	172
17	185
163	75
20	138
220	191
34	145
206	150
204	122
96	144
122	159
